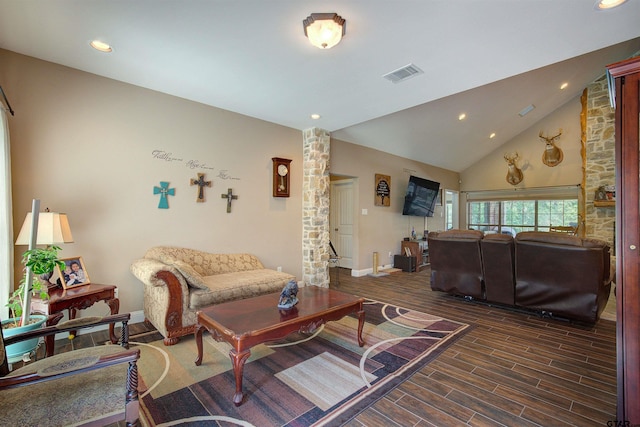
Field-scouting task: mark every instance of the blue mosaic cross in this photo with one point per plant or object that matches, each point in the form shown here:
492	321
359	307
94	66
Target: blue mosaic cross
163	191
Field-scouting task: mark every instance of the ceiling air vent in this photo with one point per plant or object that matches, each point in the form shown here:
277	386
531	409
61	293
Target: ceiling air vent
402	74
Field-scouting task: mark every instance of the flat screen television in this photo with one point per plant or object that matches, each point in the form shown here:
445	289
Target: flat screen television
420	199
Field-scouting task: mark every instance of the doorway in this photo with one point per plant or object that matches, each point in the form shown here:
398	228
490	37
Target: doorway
341	219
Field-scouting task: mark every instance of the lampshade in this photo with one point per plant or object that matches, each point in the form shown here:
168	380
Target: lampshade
53	229
324	30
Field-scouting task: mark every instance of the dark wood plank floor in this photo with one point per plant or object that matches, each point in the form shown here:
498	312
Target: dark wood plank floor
511	368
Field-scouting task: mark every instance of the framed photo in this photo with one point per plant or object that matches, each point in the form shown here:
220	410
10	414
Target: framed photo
439	199
74	274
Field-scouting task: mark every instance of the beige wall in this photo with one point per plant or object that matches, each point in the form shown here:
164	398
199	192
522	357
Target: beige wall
383	228
490	172
83	145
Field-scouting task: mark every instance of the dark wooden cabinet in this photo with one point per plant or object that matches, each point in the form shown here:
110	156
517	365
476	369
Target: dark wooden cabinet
627	96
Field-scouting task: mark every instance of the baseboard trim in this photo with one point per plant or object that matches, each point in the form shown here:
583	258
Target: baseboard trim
366	271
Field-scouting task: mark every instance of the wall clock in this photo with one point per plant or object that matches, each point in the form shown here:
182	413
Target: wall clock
281	177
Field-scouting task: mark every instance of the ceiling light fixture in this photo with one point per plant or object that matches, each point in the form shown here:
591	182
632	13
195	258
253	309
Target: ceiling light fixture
462	116
101	46
493	135
324	30
608	4
315	116
564	85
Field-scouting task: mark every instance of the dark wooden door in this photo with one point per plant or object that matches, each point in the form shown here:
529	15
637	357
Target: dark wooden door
627	87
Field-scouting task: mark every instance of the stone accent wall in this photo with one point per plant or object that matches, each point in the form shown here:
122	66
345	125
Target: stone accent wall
315	207
600	160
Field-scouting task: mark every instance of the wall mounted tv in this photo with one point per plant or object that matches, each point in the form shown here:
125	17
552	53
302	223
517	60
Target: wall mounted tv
420	199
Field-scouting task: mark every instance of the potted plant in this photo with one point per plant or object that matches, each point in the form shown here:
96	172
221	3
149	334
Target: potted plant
41	262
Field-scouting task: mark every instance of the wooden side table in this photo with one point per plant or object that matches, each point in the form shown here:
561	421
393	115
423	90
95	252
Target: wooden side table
79	298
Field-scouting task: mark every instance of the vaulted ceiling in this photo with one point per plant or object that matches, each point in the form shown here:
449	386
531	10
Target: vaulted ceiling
488	59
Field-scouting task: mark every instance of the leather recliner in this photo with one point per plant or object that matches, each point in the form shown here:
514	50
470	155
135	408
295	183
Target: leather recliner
562	275
456	262
498	261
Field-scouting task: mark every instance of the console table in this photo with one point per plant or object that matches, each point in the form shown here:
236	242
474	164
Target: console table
74	299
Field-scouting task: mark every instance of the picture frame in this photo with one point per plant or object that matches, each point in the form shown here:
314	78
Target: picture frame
439	198
75	273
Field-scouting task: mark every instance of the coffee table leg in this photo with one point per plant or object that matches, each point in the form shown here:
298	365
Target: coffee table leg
360	326
238	359
198	336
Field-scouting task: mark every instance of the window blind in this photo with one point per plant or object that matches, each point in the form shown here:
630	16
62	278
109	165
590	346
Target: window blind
538	193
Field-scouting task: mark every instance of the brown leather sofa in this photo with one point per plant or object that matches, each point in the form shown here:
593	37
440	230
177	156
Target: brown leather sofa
552	274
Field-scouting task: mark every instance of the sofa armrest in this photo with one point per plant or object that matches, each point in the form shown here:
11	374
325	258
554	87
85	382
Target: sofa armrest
168	310
146	270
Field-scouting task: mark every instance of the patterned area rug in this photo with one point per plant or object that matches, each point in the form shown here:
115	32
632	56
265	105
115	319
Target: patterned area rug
319	379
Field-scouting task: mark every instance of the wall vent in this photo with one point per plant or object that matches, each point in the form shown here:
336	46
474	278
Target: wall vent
402	74
526	110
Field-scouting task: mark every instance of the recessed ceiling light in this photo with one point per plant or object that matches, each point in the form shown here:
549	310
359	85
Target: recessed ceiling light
564	85
315	116
101	46
493	135
608	4
462	116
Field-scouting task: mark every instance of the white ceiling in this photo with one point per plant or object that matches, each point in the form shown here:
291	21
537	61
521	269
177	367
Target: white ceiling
487	58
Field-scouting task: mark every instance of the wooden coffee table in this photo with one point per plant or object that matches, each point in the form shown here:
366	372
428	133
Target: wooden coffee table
248	322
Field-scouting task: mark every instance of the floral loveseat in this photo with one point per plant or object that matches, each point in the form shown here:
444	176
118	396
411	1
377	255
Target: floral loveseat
179	281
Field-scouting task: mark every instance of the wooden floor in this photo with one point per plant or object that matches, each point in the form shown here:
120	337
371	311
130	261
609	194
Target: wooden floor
511	368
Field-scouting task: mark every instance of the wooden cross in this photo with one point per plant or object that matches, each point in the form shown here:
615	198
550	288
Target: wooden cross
201	183
230	197
164	191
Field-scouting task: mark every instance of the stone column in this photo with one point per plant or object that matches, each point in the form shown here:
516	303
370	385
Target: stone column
601	163
315	207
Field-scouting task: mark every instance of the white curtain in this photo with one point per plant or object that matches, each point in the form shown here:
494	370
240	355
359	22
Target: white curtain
6	218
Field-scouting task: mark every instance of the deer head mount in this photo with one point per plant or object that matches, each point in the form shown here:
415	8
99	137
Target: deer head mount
514	174
552	155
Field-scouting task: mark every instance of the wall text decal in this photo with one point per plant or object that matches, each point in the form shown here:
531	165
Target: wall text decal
169	157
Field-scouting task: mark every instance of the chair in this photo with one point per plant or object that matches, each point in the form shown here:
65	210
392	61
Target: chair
334	260
456	262
498	258
561	275
92	386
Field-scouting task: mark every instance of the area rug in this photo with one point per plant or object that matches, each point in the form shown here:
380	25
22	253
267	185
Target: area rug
306	380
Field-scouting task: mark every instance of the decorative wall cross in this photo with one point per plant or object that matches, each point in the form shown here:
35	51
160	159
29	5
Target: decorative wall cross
230	197
201	183
164	191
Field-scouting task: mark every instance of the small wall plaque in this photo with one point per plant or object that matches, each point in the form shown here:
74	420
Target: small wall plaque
383	190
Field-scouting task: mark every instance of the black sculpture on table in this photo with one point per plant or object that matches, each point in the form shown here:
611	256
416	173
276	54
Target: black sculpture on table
288	297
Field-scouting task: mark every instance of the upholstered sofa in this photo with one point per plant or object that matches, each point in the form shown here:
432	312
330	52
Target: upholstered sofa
179	281
553	274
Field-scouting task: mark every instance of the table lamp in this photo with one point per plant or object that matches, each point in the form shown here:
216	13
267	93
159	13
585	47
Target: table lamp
53	229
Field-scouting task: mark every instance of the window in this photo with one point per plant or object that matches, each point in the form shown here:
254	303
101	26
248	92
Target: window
513	216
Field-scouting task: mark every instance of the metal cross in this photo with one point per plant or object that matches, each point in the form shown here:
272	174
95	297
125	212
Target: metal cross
230	197
164	191
201	183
